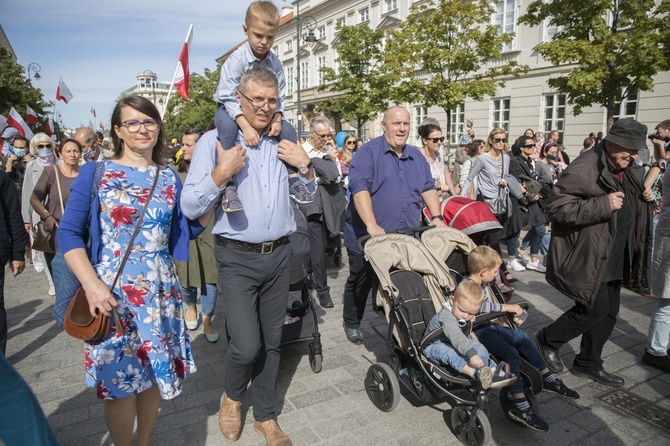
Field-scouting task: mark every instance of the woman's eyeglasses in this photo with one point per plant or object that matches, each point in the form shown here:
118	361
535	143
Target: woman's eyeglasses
44	146
435	140
528	146
498	140
133	126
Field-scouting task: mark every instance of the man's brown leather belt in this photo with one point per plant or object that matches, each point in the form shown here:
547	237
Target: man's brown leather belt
263	248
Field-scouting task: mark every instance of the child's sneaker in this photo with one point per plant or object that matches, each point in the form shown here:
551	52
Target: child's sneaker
501	376
536	266
515	265
231	202
485	377
298	192
505	289
528	418
559	388
522	254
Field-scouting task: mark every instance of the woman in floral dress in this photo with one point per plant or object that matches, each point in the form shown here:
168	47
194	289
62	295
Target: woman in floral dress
132	371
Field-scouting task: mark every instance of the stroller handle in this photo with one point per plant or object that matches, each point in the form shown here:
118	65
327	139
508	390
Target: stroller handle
405	231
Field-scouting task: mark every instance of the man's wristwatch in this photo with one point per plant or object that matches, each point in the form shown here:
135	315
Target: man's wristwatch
304	170
437	217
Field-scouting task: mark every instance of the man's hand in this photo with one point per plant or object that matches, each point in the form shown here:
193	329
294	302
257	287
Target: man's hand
17	267
292	153
438	223
616	200
229	163
375	230
476	362
648	194
274	129
251	138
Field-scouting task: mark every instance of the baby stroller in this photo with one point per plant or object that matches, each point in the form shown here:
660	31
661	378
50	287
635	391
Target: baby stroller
450	245
413	285
298	326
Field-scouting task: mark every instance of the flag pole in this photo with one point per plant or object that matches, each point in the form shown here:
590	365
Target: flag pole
174	76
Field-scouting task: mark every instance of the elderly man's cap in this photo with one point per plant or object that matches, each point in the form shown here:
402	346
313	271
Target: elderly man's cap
10	132
628	133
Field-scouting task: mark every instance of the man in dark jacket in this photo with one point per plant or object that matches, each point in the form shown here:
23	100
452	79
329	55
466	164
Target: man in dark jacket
593	213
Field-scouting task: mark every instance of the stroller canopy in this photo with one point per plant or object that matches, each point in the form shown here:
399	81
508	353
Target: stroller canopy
469	216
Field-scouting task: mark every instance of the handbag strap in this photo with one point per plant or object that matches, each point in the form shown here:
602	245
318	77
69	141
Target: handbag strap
60	192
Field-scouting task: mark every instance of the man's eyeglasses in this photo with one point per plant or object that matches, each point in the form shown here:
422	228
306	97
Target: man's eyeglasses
324	136
435	140
133	125
44	146
497	140
259	103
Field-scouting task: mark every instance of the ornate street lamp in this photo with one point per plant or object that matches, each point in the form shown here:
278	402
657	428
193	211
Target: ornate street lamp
309	23
35	68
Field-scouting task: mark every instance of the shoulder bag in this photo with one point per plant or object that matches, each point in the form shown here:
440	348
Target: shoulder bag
499	204
45	240
78	321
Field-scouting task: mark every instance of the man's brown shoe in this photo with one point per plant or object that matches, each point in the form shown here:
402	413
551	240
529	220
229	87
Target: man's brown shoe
272	433
230	418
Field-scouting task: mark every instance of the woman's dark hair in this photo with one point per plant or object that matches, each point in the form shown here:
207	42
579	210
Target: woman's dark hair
427	129
472	148
65	141
545	148
142	105
182	165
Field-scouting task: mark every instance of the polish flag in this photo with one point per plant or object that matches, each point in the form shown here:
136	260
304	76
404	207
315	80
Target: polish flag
93	112
63	93
102	127
31	116
3	122
183	73
49	128
15	120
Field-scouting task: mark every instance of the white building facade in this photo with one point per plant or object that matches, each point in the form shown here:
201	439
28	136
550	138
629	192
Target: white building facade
149	87
526	102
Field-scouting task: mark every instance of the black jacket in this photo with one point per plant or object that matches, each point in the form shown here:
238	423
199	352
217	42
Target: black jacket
12	232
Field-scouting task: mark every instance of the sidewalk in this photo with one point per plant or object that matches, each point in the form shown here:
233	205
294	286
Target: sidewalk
331	407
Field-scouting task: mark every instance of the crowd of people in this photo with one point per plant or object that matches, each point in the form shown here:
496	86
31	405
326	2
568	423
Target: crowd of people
219	213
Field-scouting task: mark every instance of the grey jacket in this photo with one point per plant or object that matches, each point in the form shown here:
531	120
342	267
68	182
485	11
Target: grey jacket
451	332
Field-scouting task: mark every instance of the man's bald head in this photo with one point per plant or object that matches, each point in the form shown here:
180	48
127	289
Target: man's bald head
85	137
395	126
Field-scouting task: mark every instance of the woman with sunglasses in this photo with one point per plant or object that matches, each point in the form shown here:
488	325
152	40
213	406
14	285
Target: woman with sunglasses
348	149
432	139
42	148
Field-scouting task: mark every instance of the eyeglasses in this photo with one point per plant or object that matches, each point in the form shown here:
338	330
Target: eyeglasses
350	142
528	146
498	140
435	140
258	103
133	125
324	136
44	146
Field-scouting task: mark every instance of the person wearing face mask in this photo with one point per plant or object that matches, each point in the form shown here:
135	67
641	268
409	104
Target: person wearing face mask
42	147
15	163
8	136
549	157
89	145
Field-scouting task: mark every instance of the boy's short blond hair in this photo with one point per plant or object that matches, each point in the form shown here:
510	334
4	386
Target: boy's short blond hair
263	11
483	257
470	291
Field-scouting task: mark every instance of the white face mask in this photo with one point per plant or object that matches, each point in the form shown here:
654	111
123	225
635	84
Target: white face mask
44	153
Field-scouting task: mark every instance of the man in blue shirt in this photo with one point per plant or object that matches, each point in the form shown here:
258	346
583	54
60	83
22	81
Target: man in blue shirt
388	181
252	250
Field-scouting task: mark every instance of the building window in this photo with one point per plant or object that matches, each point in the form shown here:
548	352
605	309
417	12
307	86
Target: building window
363	15
289	81
342	21
320	63
505	17
554	114
321	32
391	5
550	30
289	46
457	124
500	118
628	107
420	114
304	75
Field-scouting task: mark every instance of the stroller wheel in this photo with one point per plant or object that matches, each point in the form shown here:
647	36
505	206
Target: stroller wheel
478	435
507	400
381	385
337	258
316	362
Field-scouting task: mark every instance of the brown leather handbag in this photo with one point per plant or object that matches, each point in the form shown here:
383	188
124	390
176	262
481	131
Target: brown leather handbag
78	321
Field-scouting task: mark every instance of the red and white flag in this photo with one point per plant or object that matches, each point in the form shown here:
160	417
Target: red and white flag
102	127
183	73
3	122
15	120
93	112
49	128
31	116
63	93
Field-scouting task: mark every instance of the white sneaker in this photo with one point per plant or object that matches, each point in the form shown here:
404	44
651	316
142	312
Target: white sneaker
515	265
522	254
537	266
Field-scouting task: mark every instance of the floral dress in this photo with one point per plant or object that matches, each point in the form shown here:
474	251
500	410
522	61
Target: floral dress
154	348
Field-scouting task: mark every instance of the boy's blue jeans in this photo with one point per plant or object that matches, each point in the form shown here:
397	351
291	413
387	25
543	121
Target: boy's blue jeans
444	353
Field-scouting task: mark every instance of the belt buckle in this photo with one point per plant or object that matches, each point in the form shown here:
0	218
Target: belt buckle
267	247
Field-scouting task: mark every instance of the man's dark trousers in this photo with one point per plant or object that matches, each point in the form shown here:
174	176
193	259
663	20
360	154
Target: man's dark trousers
595	325
3	311
356	290
317	254
254	291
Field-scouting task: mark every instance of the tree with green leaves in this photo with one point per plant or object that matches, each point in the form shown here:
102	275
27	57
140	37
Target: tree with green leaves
441	53
360	86
17	91
614	48
198	110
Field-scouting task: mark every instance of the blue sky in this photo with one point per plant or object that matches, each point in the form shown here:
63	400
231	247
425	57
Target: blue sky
99	46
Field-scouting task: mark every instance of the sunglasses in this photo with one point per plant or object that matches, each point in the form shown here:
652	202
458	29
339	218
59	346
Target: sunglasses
44	146
435	140
497	140
350	142
528	146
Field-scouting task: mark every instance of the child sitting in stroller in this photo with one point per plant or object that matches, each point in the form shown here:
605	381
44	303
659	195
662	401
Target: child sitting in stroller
510	344
452	348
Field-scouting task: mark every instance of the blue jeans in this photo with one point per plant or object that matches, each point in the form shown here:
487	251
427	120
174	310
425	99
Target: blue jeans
544	241
509	345
659	329
207	297
444	353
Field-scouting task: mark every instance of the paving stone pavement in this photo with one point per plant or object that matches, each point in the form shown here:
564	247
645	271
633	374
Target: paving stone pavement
331	407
